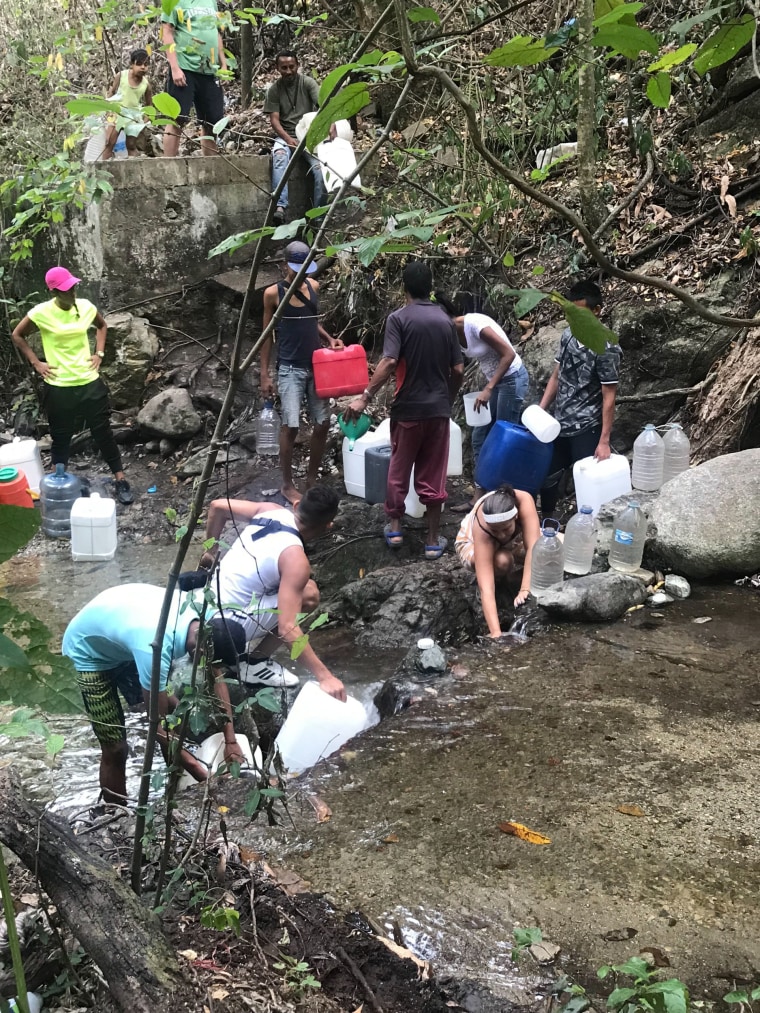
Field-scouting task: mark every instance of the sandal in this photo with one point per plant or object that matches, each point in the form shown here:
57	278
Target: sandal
436	551
462	508
394	539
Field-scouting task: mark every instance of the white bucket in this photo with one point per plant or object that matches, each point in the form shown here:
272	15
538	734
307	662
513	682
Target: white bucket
472	416
543	425
211	753
317	725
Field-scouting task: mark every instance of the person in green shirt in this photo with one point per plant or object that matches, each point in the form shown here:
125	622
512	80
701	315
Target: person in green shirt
131	88
195	51
288	99
74	390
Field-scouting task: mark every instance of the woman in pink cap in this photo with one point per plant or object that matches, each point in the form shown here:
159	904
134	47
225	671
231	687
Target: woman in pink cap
74	390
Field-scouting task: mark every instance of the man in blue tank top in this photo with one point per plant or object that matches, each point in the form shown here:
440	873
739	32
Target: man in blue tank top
299	335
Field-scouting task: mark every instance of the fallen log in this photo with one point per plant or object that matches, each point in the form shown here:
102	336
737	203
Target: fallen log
118	932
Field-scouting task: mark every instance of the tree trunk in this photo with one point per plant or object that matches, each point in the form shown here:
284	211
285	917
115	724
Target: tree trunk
246	62
591	203
122	937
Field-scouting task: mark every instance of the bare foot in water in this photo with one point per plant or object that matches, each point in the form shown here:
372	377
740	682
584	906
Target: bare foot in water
291	494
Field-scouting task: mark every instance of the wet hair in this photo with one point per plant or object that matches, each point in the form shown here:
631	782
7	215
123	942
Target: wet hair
318	506
139	56
227	640
501	501
418	279
447	304
285	54
588	292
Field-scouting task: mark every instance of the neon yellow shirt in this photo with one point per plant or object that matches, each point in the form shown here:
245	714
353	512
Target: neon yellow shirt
65	342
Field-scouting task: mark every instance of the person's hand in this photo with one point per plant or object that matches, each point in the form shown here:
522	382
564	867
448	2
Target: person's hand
483	399
44	369
495	636
292	142
333	687
522	597
96	361
355	409
603	451
336	344
233	753
178	76
267	386
207	560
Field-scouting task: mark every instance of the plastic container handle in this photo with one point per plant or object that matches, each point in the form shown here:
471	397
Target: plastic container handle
551	520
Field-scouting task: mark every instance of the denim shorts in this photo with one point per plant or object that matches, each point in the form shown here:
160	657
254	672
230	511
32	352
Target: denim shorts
294	384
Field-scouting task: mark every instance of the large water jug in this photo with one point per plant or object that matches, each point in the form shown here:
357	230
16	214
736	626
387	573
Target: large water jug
14	488
412	505
33	1001
648	460
376	463
93	529
580	541
598	482
454	466
677	449
354	470
547	562
513	455
58	493
629	533
543	425
211	753
24	455
317	725
268	431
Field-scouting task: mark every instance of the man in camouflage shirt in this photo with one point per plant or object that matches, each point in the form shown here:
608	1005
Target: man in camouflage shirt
582	387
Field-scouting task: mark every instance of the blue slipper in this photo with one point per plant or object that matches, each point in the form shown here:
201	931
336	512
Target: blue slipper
393	539
437	550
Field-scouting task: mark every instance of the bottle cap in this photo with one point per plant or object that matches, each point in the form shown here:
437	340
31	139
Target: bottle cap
8	474
425	643
587	510
650	425
633	503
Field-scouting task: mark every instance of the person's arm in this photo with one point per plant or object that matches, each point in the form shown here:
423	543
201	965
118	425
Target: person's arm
550	391
506	355
187	761
271	301
220	512
294	575
147	98
232	751
456	376
484	572
167	38
531	531
222	55
609	393
380	377
114	87
279	129
26	326
96	359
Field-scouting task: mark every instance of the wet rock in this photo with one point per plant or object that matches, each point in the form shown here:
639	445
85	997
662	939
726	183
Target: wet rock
152	446
423	663
679	587
706	520
130	350
193	465
599	596
660	598
170	413
166	447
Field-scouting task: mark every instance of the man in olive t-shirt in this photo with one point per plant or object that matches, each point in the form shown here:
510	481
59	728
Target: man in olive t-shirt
288	99
195	52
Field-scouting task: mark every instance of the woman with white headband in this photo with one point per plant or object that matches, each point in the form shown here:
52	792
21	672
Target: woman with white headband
495	538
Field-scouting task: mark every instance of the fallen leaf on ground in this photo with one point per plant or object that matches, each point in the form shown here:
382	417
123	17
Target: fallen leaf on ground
544	952
322	809
424	969
249	855
703	619
287	880
219	993
188	954
391	839
630	810
518	830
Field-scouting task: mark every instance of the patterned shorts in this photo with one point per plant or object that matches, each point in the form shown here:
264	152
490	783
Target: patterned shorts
100	692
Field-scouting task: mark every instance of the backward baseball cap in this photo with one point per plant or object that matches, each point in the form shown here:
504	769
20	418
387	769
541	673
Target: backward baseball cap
295	256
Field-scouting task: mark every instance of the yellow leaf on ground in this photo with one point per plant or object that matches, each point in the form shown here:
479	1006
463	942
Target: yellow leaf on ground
188	954
518	830
391	839
630	810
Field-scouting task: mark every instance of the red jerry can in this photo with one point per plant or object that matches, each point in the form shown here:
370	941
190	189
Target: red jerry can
340	372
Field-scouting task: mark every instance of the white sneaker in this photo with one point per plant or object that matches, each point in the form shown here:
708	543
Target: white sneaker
267	672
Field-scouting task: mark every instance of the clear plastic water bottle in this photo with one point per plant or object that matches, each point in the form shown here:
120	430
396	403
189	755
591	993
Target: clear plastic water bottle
547	565
629	534
580	541
677	449
648	460
268	431
58	494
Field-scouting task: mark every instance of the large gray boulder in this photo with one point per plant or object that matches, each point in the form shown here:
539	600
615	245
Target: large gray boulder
131	347
597	597
707	520
170	413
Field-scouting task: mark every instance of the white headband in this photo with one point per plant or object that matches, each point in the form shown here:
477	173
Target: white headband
500	518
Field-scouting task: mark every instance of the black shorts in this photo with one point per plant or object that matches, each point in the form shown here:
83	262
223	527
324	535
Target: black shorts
202	91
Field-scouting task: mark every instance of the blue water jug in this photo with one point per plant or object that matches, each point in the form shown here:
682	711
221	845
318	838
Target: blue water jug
511	454
58	493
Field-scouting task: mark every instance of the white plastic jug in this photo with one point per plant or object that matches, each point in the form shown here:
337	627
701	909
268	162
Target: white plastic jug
543	425
353	460
473	417
598	482
211	753
648	460
33	1001
455	466
317	725
93	528
412	505
24	455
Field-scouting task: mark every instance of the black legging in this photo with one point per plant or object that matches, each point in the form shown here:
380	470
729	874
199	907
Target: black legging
67	408
567	450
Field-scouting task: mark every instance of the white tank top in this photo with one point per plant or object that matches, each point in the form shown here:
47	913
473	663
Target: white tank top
478	349
249	570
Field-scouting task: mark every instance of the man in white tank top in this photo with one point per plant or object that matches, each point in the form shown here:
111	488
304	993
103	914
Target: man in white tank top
264	580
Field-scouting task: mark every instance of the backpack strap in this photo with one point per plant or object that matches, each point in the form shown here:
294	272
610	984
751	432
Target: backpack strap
271	526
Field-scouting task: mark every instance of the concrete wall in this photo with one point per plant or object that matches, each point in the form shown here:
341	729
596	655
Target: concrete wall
153	234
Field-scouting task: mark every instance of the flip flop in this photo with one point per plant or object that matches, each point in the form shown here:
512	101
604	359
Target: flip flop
394	539
462	508
436	551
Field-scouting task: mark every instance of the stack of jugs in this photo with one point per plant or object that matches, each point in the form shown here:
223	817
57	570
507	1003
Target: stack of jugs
58	493
677	450
547	565
648	460
14	488
24	454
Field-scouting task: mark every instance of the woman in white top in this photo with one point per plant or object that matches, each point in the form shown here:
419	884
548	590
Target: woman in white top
506	386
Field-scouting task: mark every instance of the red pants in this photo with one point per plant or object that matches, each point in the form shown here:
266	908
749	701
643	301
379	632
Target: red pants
424	446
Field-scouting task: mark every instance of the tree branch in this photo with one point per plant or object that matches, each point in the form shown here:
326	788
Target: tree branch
614	214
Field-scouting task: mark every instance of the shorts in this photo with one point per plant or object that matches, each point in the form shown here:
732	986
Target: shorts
202	91
100	692
258	621
295	384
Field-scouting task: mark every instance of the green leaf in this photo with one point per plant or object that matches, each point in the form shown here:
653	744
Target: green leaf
635	966
220	125
673	59
619	997
591	332
167	6
527	937
682	27
319	621
84	106
239	239
604	7
11	655
349	101
629	40
521	51
288	229
527	298
252	802
167	105
755	994
658	90
618	13
578	1004
726	43
539	269
417	14
17	526
54	745
266	699
298	646
508	260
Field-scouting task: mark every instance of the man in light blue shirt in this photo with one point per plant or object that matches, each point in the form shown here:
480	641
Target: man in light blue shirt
110	642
